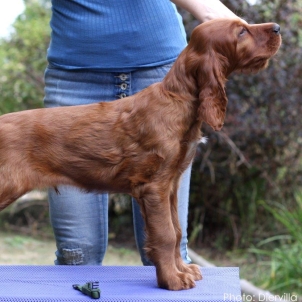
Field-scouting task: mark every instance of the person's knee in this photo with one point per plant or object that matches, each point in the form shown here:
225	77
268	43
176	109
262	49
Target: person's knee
78	255
69	256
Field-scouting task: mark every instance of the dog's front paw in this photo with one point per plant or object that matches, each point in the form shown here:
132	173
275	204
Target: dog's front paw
192	269
179	281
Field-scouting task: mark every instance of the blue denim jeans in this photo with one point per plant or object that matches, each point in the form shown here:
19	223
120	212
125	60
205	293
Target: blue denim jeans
80	220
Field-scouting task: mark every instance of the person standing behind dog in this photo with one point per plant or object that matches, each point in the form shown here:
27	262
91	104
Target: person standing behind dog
102	51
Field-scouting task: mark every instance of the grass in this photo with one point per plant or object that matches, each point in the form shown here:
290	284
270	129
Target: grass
284	262
26	250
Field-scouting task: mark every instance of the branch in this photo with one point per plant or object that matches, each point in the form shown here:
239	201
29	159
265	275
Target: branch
235	149
29	199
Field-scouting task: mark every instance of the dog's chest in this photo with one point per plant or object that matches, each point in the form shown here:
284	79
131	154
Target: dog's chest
191	148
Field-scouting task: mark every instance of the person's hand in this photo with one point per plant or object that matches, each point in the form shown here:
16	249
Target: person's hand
205	10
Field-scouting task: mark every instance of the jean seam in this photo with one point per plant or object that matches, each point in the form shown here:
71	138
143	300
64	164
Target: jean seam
103	202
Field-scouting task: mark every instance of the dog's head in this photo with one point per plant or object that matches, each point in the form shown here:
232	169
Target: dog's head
219	47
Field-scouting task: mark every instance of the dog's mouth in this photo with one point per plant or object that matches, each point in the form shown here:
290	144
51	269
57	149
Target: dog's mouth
274	46
255	65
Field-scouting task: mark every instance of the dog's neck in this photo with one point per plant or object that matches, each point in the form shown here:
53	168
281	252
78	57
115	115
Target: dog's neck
180	90
179	82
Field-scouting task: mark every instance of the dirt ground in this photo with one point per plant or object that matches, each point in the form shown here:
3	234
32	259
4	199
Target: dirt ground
20	249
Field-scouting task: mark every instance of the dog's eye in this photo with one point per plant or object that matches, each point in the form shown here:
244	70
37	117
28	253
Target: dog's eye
242	31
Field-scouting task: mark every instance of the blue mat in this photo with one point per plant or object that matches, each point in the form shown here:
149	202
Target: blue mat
117	284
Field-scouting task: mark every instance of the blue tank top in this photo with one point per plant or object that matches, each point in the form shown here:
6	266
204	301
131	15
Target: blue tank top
114	35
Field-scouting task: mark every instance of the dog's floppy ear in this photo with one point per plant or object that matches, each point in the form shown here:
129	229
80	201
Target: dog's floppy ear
212	107
212	96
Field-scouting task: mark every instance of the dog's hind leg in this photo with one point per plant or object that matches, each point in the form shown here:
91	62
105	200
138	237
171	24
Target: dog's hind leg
12	186
9	194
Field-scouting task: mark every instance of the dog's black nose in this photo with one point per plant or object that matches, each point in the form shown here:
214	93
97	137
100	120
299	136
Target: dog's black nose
276	29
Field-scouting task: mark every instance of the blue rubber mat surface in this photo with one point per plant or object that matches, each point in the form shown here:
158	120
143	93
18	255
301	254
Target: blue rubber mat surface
117	284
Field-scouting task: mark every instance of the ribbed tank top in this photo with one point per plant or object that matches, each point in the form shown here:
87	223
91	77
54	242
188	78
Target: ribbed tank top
114	35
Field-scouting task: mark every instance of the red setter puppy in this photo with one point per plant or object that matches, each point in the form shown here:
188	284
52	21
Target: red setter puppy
141	144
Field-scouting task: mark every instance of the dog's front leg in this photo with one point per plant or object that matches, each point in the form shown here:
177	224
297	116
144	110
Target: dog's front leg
161	238
192	269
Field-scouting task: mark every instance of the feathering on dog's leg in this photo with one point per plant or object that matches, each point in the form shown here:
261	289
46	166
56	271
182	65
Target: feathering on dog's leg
161	239
192	269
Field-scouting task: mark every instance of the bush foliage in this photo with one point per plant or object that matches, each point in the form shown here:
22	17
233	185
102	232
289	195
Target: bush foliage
23	59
